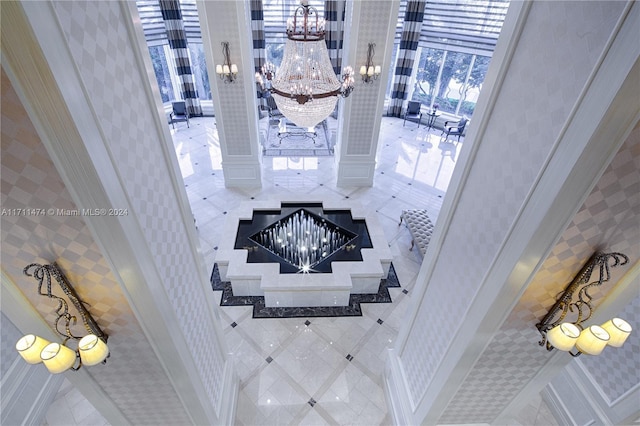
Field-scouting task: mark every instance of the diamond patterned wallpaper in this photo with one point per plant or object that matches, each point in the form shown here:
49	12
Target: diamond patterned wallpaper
364	101
133	377
99	41
513	152
8	338
608	221
232	96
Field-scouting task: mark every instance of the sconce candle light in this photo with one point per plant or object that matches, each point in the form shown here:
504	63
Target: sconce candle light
564	336
369	71
227	71
92	348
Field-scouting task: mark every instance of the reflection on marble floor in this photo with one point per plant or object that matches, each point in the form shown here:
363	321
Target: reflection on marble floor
314	371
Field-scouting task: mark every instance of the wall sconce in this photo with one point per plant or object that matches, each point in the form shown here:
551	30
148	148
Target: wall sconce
227	71
370	72
592	340
92	348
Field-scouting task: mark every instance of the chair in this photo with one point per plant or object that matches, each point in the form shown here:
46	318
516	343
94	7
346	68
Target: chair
179	113
455	128
274	112
413	112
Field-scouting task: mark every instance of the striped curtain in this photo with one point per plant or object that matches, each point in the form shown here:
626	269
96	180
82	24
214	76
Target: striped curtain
334	12
177	37
407	54
257	31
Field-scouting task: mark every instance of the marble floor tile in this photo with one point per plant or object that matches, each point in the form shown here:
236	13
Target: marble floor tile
327	371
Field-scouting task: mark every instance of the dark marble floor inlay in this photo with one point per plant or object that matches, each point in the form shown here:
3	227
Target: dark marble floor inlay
261	311
269	359
349	357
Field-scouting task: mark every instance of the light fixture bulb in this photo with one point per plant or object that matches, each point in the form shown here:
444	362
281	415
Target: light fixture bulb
57	358
619	330
218	69
563	336
363	70
30	346
92	350
592	340
377	70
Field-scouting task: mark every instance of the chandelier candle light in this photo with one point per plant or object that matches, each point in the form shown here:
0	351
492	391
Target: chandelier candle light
92	348
306	88
564	336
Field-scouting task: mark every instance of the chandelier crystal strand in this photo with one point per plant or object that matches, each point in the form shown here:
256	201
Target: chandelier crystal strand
305	87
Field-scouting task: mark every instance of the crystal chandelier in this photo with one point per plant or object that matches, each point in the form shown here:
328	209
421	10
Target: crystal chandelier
305	86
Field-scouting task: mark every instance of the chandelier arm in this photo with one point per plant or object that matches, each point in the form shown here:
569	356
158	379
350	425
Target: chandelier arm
313	96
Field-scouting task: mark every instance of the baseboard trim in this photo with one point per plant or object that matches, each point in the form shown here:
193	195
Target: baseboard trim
395	391
229	400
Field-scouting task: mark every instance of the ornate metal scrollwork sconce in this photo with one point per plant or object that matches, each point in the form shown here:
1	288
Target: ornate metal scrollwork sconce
561	335
92	349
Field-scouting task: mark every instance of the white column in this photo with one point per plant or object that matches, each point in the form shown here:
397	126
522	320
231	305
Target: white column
359	124
106	134
235	103
527	165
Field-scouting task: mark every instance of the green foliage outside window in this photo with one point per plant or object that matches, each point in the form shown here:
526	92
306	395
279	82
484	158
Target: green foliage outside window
161	71
455	82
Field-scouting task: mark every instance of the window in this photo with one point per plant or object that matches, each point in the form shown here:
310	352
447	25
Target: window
275	51
199	69
450	80
457	40
162	56
163	76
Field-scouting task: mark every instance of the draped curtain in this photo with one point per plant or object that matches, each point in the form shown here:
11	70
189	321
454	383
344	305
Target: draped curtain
334	12
177	38
257	32
406	55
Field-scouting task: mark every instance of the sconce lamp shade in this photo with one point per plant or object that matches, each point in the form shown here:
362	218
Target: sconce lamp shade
563	336
592	340
30	346
618	330
58	358
92	350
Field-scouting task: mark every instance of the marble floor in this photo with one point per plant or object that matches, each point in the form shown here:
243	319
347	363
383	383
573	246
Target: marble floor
314	371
